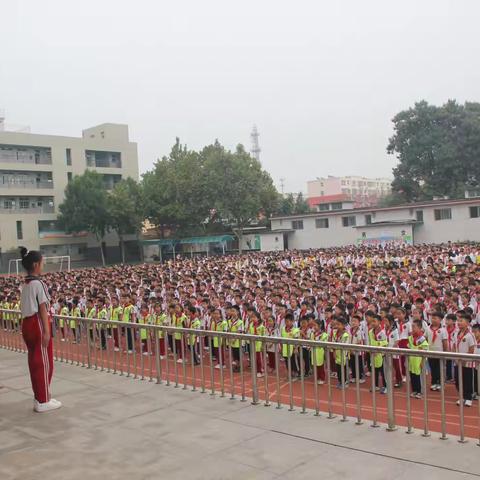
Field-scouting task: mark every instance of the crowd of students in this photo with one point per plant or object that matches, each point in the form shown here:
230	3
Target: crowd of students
424	297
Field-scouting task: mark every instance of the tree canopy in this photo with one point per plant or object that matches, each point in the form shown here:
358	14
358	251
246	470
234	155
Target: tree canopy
213	189
86	207
438	149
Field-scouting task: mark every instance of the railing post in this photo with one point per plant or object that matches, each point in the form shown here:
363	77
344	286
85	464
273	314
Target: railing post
390	400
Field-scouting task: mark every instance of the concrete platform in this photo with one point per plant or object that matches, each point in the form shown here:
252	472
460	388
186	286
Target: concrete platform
114	427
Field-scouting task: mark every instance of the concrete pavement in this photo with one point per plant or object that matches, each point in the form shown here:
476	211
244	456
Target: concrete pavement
114	427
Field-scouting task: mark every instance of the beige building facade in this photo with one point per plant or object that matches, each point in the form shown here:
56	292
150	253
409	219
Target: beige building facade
34	171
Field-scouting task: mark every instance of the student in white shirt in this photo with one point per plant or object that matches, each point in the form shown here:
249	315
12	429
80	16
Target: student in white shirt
437	342
464	342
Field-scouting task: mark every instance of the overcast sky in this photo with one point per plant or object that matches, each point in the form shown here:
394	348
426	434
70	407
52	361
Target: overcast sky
322	80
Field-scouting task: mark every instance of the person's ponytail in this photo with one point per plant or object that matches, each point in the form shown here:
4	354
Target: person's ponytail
29	258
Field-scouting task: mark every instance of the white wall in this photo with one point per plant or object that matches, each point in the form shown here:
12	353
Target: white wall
460	228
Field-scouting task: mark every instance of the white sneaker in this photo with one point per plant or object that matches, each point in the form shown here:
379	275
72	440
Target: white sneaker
362	380
129	351
161	357
259	375
468	403
62	340
145	353
47	406
53	400
116	349
179	360
320	382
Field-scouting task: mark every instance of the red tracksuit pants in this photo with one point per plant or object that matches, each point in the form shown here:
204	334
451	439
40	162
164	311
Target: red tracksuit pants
40	359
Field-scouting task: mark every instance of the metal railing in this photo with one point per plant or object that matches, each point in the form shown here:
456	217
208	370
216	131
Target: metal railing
189	357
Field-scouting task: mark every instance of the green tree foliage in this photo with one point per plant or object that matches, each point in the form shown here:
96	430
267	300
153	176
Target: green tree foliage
301	205
126	210
86	207
214	189
290	205
237	187
438	149
174	195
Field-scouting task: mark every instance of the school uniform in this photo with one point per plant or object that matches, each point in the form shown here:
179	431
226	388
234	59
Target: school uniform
404	332
318	356
341	356
378	338
40	358
450	373
236	326
288	350
357	338
415	364
463	341
435	338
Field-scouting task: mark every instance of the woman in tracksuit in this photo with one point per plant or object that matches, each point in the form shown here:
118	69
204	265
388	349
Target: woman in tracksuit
37	331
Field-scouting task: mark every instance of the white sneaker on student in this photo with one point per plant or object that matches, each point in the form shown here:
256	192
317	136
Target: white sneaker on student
179	360
259	375
116	349
47	406
320	382
468	403
53	400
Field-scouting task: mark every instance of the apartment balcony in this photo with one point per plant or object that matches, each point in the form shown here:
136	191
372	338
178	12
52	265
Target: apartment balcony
27	185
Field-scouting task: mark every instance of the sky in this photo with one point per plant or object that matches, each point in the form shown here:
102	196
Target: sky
321	80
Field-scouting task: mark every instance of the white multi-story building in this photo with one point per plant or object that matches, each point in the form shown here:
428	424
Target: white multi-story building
435	221
362	190
34	171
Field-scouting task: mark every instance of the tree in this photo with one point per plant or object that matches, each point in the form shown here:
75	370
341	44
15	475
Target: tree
237	187
85	207
301	205
125	210
174	194
286	204
438	150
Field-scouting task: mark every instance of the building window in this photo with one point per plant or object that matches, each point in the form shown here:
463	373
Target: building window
337	206
8	204
443	214
419	215
323	207
368	219
349	221
68	156
321	223
24	203
475	212
69	177
19	230
297	224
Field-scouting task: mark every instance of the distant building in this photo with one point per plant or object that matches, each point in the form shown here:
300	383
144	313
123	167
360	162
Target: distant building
431	221
362	191
34	171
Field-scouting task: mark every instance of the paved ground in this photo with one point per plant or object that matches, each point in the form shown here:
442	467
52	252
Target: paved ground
116	427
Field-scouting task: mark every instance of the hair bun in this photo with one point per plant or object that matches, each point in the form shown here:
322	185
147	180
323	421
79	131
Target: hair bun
23	252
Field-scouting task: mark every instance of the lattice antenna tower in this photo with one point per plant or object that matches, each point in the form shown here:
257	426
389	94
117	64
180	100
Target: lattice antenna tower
255	150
